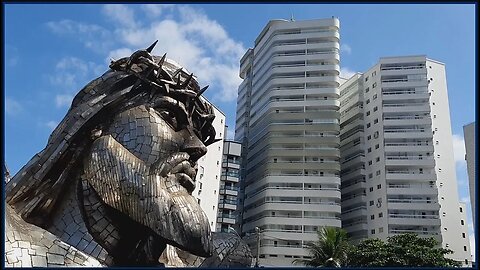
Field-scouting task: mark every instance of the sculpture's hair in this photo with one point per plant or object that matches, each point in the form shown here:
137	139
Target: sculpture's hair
131	81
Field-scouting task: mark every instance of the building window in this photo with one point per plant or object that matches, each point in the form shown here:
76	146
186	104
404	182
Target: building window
445	230
436	142
464	235
375	121
434	116
377	159
368	101
369	150
372	217
366	79
374	85
380	214
378	173
375	108
371	203
366	90
462	222
370	162
374	96
370	175
380	230
377	146
368	113
379	186
461	210
372	231
369	137
466	261
374	73
375	135
371	189
464	248
368	125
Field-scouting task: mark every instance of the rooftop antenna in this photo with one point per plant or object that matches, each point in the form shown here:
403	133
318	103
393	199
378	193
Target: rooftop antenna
291	18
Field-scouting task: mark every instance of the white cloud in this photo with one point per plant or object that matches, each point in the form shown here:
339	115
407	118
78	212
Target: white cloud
458	149
121	14
193	40
196	42
92	36
71	73
465	199
12	107
51	124
117	54
346	48
346	72
63	100
155	10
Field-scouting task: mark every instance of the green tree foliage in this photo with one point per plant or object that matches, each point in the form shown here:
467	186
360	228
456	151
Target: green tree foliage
329	250
400	250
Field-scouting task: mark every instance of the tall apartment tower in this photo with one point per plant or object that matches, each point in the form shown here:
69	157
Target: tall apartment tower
288	124
229	186
398	172
469	134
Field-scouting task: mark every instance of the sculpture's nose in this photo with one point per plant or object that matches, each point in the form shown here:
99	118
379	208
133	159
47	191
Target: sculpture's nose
194	147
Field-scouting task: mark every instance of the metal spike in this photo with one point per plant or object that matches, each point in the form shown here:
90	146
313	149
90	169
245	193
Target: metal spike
160	64
185	84
112	60
202	90
179	81
167	88
150	49
176	72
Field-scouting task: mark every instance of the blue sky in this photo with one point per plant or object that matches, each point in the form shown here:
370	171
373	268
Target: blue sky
53	50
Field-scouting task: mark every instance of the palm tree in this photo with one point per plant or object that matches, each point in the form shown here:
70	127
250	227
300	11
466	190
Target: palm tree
329	250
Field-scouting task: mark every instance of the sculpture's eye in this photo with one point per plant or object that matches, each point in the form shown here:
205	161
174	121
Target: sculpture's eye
170	117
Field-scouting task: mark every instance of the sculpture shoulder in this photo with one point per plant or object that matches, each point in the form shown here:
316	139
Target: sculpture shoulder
27	245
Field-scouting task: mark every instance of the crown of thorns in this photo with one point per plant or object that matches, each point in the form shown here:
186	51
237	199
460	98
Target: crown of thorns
179	84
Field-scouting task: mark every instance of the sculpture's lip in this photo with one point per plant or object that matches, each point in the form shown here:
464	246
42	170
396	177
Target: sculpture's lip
185	174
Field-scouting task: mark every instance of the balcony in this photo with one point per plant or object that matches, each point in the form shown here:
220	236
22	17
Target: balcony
355	212
413	204
410	176
416	220
395	108
227	204
409	161
412	189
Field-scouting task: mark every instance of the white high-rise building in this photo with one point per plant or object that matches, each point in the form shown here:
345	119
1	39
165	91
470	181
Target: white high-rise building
398	171
469	134
288	124
209	171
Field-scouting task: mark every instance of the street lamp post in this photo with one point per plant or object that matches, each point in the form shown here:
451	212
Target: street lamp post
257	231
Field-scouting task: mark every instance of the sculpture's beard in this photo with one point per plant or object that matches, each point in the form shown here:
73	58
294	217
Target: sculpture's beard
160	203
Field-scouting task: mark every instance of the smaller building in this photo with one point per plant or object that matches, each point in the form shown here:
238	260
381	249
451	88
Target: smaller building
469	134
209	170
229	186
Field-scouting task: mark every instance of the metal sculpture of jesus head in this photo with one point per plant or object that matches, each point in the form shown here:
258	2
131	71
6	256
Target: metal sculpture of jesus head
129	144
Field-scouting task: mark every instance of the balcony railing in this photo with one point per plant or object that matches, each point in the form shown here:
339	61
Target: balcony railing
403	130
411	186
234	202
414	231
408	158
410	201
403	68
413	216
